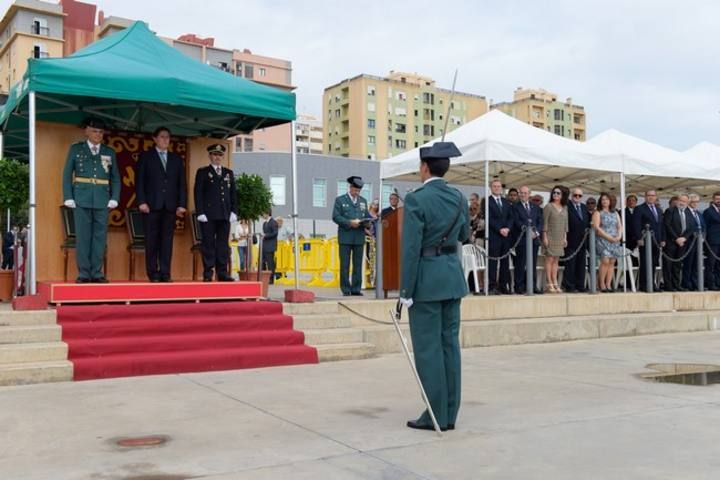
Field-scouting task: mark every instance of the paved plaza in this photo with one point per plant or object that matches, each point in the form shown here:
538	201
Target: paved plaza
557	411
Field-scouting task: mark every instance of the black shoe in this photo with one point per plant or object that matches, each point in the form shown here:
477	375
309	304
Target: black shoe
166	280
100	280
346	294
154	280
226	278
538	291
82	280
451	426
418	426
207	279
357	294
682	289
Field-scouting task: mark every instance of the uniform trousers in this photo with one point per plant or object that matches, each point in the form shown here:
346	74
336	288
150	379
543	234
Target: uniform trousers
91	239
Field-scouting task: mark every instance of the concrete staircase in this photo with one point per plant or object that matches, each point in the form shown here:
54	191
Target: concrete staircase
513	320
30	348
330	331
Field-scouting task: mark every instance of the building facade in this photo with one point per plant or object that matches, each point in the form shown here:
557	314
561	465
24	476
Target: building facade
373	118
542	109
309	135
29	29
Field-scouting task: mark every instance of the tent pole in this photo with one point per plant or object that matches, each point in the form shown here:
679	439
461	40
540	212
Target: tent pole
378	247
32	234
486	272
293	160
624	228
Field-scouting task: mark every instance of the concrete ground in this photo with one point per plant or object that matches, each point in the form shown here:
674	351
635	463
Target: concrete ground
554	411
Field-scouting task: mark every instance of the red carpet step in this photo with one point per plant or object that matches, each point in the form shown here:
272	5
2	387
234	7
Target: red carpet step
108	341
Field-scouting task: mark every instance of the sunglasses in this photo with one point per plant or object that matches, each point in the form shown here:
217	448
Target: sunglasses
577	195
556	193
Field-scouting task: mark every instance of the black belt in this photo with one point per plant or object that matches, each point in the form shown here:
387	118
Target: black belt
437	251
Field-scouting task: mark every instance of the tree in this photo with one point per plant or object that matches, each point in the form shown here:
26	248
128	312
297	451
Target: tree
253	199
14	186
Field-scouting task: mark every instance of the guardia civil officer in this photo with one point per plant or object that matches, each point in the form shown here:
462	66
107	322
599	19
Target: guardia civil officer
432	283
349	212
91	186
215	205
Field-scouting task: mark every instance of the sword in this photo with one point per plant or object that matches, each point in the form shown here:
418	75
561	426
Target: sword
395	316
449	109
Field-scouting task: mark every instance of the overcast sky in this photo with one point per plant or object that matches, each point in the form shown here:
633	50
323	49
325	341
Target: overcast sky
647	68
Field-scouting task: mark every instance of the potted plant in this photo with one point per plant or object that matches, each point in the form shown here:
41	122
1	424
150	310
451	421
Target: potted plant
253	199
14	185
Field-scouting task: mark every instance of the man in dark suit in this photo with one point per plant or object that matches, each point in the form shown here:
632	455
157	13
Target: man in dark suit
269	244
630	239
526	214
499	223
8	249
648	215
679	226
578	223
215	204
394	202
711	217
690	264
161	193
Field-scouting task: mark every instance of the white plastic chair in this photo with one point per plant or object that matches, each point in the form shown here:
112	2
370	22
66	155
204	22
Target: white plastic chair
470	264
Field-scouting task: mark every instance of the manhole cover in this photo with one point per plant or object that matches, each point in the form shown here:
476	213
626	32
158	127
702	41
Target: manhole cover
142	442
683	373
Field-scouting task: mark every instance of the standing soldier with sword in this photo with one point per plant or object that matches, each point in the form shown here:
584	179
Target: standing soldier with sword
432	285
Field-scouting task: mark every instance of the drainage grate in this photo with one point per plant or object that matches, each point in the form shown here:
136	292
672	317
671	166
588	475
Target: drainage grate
683	373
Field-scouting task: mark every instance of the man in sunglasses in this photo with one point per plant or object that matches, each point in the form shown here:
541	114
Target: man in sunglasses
578	223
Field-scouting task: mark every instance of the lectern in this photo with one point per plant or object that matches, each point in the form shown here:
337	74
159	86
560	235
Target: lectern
391	235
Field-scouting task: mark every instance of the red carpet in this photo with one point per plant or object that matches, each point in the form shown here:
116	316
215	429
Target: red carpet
108	341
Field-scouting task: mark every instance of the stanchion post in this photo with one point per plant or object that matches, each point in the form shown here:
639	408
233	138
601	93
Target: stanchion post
593	262
649	282
700	267
529	264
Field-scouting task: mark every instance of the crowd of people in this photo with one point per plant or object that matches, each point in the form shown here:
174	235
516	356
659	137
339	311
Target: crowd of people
560	231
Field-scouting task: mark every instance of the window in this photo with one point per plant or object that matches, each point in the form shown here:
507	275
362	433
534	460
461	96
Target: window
401	96
319	192
400	112
400	127
238	144
400	144
371	107
371	139
262	71
371	156
416	144
559	114
416	113
429	130
387	189
39	51
249	71
367	192
416	128
337	113
371	123
371	90
428	98
39	27
248	145
342	187
277	187
560	130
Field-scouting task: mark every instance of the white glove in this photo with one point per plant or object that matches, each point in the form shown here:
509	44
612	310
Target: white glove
112	204
408	302
202	218
233	217
70	203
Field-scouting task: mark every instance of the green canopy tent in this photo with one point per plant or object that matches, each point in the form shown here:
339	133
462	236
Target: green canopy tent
136	82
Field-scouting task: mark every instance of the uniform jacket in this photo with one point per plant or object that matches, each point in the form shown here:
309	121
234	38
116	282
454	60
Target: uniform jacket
428	213
80	162
712	224
215	195
270	232
343	212
161	188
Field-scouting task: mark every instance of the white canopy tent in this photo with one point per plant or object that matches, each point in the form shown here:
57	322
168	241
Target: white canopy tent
706	156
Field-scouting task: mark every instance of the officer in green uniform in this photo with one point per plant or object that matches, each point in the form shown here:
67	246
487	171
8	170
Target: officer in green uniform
351	213
432	282
91	186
